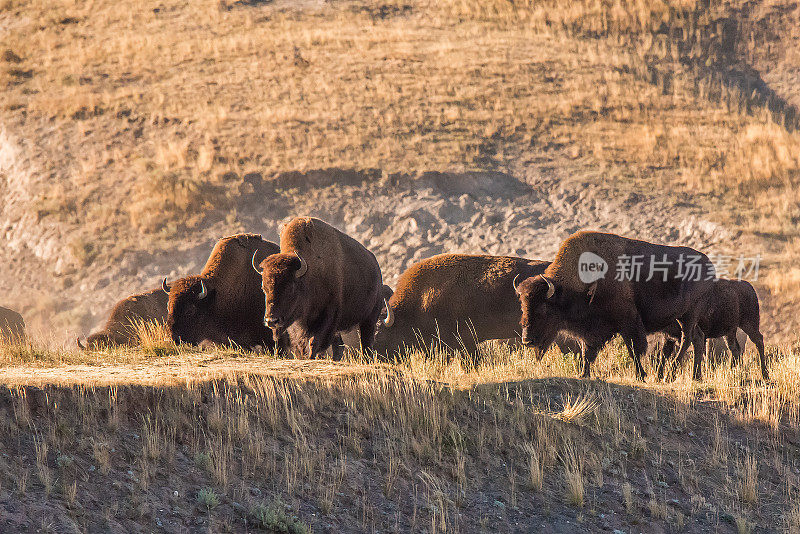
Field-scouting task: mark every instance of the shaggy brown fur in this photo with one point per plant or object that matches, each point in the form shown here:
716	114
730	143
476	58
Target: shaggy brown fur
596	312
730	305
12	326
458	300
340	289
120	326
233	308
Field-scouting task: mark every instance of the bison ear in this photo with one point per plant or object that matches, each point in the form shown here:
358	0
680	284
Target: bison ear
592	291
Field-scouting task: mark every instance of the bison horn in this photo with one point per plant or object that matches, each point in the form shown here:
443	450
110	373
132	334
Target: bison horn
254	263
203	291
551	289
164	286
80	345
389	321
303	267
514	283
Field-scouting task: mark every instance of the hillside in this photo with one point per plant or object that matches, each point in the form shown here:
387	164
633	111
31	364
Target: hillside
166	440
131	139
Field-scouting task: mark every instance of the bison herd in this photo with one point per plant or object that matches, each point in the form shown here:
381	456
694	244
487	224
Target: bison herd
300	296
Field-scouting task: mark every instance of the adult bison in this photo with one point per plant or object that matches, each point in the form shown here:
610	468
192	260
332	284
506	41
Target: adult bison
224	303
654	285
12	326
457	300
121	326
323	282
728	306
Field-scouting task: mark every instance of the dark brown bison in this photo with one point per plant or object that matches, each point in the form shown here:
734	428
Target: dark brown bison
224	303
121	326
12	326
579	294
457	300
323	282
728	306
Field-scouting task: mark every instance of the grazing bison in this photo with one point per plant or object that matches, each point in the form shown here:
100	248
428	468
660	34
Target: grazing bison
12	326
324	282
120	328
728	306
579	295
224	303
458	300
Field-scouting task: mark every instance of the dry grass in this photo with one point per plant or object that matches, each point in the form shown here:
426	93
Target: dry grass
429	435
572	460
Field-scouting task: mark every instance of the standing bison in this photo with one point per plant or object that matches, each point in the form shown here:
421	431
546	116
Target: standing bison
323	282
12	326
121	326
654	285
224	303
458	300
728	306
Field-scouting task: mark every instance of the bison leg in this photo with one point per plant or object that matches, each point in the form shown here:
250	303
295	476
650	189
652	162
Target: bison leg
699	344
637	347
589	355
281	343
635	337
667	350
367	328
337	348
687	336
755	335
325	330
736	349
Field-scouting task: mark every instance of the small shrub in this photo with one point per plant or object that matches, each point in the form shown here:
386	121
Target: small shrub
274	517
64	461
208	498
203	461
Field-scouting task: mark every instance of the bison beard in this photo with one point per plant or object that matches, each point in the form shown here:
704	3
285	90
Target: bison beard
595	312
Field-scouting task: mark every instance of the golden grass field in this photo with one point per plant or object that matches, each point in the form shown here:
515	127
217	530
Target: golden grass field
125	129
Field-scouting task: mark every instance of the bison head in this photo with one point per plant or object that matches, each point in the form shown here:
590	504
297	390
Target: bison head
191	315
282	282
540	301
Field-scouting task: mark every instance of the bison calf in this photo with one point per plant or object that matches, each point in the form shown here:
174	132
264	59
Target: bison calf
728	306
224	303
324	282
